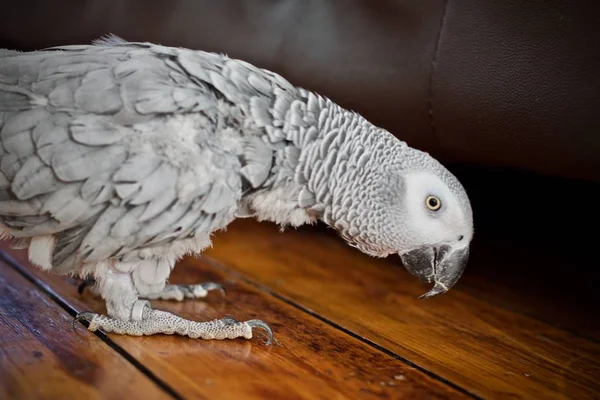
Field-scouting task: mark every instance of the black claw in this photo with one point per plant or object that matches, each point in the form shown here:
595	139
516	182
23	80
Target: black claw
256	323
208	286
83	316
85	284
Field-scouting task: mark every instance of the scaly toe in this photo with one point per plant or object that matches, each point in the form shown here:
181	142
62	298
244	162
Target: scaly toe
229	321
256	323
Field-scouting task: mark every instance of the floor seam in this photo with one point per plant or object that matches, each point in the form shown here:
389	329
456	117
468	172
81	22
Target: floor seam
215	263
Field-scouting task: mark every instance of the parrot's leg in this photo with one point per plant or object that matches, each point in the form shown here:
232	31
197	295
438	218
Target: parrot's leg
170	292
128	315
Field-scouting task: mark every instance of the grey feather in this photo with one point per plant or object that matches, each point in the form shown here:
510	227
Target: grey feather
153	186
313	107
127	190
14	99
324	119
180	228
8	52
152	272
204	222
260	84
193	184
161	200
310	136
364	159
74	162
292	156
165	220
192	63
218	196
106	194
94	184
306	199
281	106
109	40
129	224
16	135
274	134
258	160
223	86
25	221
299	177
156	99
78	65
98	93
244	211
259	108
62	94
33	178
327	141
95	130
136	168
18	208
297	112
98	244
65	205
51	130
69	241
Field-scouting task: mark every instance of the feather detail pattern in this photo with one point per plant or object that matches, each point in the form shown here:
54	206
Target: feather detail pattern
119	149
118	158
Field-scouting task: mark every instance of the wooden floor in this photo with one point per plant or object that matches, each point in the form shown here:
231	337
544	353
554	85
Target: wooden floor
346	326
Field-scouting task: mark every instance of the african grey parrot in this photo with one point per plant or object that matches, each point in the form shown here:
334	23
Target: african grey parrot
119	158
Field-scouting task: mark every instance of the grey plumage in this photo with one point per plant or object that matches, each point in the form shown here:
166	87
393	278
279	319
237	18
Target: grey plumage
137	152
101	116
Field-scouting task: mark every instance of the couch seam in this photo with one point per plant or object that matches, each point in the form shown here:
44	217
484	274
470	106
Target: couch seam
436	51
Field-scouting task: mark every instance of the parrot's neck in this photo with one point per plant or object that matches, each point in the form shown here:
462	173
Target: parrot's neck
333	163
320	155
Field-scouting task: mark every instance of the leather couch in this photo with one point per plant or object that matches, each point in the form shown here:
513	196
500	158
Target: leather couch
510	83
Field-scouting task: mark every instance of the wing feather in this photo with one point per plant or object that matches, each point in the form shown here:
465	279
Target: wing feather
89	153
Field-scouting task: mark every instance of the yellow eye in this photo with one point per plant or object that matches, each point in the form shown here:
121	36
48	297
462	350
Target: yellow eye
433	203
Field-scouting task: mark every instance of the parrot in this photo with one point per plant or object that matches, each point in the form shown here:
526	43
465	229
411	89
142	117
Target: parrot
118	158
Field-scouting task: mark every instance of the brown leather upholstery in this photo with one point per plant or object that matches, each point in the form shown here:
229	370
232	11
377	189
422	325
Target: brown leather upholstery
505	82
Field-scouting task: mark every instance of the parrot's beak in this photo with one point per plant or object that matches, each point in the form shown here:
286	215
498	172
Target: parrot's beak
443	265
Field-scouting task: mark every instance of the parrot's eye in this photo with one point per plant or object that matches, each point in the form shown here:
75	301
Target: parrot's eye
433	203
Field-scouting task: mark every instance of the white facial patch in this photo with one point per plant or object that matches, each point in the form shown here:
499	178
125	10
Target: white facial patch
442	226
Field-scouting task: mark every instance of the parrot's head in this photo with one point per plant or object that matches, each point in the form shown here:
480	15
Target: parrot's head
418	210
436	227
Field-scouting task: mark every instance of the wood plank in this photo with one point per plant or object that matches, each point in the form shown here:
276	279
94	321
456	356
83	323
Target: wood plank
488	350
43	357
311	359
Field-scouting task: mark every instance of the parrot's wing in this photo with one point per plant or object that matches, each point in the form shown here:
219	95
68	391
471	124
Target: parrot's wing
109	152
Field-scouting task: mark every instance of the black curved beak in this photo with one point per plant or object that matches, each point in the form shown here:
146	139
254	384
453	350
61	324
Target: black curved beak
443	265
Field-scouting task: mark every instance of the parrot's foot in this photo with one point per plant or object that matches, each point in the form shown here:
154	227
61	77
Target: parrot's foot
181	292
146	321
